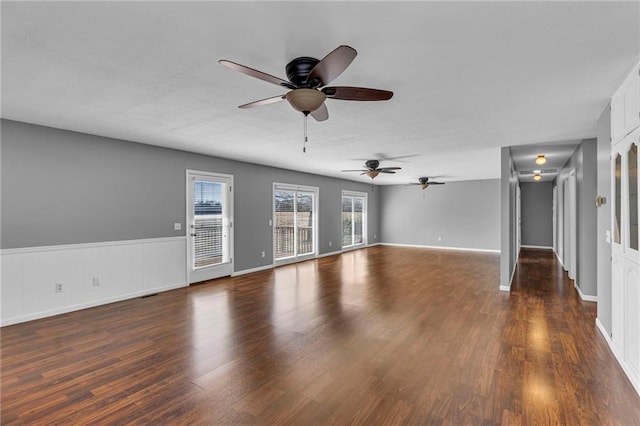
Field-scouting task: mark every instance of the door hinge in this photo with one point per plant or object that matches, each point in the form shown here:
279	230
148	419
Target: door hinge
230	224
229	188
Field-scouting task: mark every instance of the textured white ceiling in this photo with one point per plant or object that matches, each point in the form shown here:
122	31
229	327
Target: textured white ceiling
468	77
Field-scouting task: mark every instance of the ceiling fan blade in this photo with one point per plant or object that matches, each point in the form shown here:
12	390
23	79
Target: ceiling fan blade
437	183
266	101
332	65
321	114
386	171
347	93
257	74
360	170
390	168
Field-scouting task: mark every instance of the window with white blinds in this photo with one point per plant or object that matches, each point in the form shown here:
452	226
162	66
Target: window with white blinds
294	221
354	214
209	213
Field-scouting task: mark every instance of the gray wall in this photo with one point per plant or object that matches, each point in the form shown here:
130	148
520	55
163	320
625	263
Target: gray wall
463	214
604	219
508	243
584	161
537	213
62	187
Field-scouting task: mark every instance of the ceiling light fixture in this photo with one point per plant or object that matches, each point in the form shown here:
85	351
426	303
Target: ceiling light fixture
537	177
306	100
541	159
373	173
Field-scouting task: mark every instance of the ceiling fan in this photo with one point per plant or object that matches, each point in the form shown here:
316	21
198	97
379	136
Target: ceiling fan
372	170
308	78
424	182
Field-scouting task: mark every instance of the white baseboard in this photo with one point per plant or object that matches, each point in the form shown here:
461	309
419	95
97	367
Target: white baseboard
90	275
513	272
441	247
92	304
585	297
536	247
251	270
333	253
635	381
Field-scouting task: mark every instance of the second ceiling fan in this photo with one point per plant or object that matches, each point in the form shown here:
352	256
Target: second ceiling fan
372	170
307	80
424	182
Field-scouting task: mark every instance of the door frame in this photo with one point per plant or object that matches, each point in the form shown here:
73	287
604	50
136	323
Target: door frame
316	195
229	269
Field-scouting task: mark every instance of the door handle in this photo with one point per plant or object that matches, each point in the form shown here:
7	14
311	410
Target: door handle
193	234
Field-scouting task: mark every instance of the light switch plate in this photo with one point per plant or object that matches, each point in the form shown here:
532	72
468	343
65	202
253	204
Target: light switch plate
177	226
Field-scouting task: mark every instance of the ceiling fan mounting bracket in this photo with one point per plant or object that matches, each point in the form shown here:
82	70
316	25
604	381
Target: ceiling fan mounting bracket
299	68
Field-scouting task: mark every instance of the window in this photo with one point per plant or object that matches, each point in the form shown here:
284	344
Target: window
354	213
294	221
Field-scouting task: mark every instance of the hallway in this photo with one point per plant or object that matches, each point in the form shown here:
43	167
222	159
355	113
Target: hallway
567	370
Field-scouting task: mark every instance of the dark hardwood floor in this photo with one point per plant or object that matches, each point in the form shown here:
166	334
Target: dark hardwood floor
384	335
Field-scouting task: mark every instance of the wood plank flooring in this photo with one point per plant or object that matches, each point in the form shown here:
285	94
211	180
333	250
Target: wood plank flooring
384	335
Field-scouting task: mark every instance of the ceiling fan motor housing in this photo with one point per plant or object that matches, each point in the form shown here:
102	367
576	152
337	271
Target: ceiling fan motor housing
299	68
372	164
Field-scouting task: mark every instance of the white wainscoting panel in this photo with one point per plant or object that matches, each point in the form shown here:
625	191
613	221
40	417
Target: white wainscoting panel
91	275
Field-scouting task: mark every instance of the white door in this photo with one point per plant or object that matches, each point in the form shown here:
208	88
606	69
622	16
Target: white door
210	225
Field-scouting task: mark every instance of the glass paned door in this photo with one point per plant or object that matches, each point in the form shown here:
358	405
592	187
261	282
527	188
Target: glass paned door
209	210
358	218
617	219
632	167
294	223
347	222
353	219
304	223
284	224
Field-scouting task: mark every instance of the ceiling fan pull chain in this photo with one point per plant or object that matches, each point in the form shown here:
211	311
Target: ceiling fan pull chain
304	143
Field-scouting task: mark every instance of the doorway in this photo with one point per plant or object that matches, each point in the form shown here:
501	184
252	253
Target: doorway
210	225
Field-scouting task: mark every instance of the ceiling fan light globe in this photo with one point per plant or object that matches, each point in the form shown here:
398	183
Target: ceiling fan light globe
373	173
424	185
306	100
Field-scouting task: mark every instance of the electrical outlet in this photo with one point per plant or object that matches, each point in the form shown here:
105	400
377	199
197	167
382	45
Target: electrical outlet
177	226
439	238
329	243
375	237
96	281
263	254
58	287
